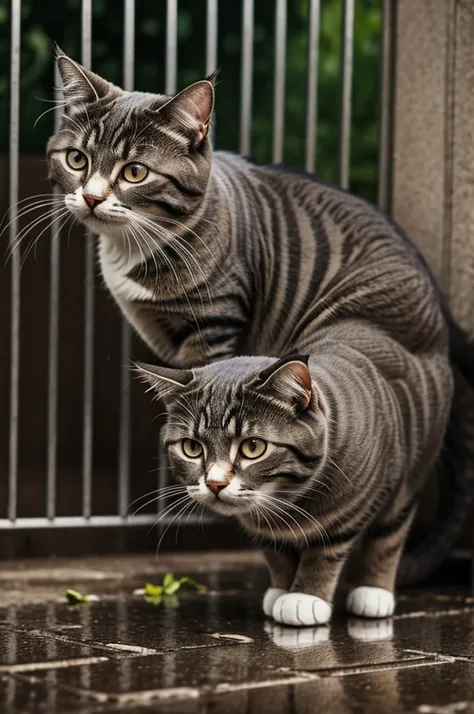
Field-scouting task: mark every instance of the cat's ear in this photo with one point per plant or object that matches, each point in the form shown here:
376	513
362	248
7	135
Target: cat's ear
288	380
164	380
193	107
80	85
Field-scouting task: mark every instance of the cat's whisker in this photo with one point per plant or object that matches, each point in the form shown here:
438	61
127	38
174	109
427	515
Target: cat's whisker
50	109
155	491
331	461
55	215
176	516
180	517
64	213
158	497
280	510
162	253
301	511
36	206
166	511
273	516
260	508
175	240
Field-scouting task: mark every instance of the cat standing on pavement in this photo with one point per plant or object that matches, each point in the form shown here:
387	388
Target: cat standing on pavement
209	257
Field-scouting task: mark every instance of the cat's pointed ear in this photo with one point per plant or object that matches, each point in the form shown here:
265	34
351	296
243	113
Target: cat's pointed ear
193	107
164	381
80	85
288	380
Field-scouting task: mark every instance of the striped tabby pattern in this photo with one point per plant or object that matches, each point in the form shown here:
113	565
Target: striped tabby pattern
210	257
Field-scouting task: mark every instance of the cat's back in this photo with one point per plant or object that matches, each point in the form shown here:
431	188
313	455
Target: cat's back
329	256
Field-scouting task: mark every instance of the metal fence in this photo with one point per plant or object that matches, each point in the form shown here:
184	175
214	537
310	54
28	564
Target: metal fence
85	514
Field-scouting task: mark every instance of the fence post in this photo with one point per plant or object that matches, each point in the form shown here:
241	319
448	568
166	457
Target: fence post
433	141
432	175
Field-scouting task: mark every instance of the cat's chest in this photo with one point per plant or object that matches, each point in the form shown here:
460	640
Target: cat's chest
116	271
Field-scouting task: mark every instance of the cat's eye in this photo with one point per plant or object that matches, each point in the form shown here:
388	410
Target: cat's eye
253	448
191	448
76	160
134	173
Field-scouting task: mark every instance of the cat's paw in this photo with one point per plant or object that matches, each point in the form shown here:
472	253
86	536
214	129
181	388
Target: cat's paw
301	610
370	630
368	601
289	638
269	599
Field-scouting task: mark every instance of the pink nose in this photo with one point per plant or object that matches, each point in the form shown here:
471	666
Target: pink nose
216	486
91	200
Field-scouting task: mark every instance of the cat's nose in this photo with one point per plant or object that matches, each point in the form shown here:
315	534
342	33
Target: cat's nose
216	486
91	200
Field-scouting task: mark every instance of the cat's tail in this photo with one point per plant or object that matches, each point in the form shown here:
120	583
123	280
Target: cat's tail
456	470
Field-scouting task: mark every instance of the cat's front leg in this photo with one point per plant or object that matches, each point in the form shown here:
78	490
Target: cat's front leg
309	601
282	566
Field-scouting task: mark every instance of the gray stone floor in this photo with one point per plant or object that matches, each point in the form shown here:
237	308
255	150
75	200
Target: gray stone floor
213	652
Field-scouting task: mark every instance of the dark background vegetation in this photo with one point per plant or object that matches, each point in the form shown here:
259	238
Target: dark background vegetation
45	21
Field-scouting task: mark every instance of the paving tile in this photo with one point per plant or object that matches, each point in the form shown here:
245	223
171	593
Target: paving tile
20	696
437	689
22	650
134	626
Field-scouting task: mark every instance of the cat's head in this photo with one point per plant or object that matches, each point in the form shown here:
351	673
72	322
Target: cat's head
124	159
240	430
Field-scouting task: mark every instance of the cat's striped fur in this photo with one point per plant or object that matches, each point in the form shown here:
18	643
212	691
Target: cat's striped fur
211	257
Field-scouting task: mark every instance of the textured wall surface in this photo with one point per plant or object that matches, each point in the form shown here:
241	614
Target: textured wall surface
433	143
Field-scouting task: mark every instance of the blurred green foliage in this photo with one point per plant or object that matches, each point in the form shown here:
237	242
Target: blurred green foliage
49	21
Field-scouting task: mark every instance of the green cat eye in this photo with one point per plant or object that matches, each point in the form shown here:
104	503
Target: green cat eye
76	160
134	173
191	448
253	448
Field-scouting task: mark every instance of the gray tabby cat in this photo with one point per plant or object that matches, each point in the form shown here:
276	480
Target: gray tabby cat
326	458
210	257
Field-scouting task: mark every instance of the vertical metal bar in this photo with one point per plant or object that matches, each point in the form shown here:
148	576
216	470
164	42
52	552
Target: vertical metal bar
246	78
347	52
125	348
211	46
52	416
312	73
171	46
211	37
279	81
170	88
88	416
386	97
15	258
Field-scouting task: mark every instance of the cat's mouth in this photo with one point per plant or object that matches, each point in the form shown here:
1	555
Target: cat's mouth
223	503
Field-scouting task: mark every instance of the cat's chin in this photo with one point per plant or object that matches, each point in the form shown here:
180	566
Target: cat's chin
229	509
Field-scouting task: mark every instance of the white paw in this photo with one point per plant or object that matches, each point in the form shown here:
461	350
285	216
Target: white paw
367	601
370	630
269	599
289	638
299	609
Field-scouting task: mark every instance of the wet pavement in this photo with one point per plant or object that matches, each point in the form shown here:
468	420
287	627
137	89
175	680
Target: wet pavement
212	652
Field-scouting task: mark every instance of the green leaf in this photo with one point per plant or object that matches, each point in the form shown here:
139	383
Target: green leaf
171	601
189	584
172	587
168	580
75	598
154	599
153	590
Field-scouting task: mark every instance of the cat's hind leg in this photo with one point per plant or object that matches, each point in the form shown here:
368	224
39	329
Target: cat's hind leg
373	567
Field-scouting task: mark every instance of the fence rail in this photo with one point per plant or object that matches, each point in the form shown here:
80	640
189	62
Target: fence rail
87	517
